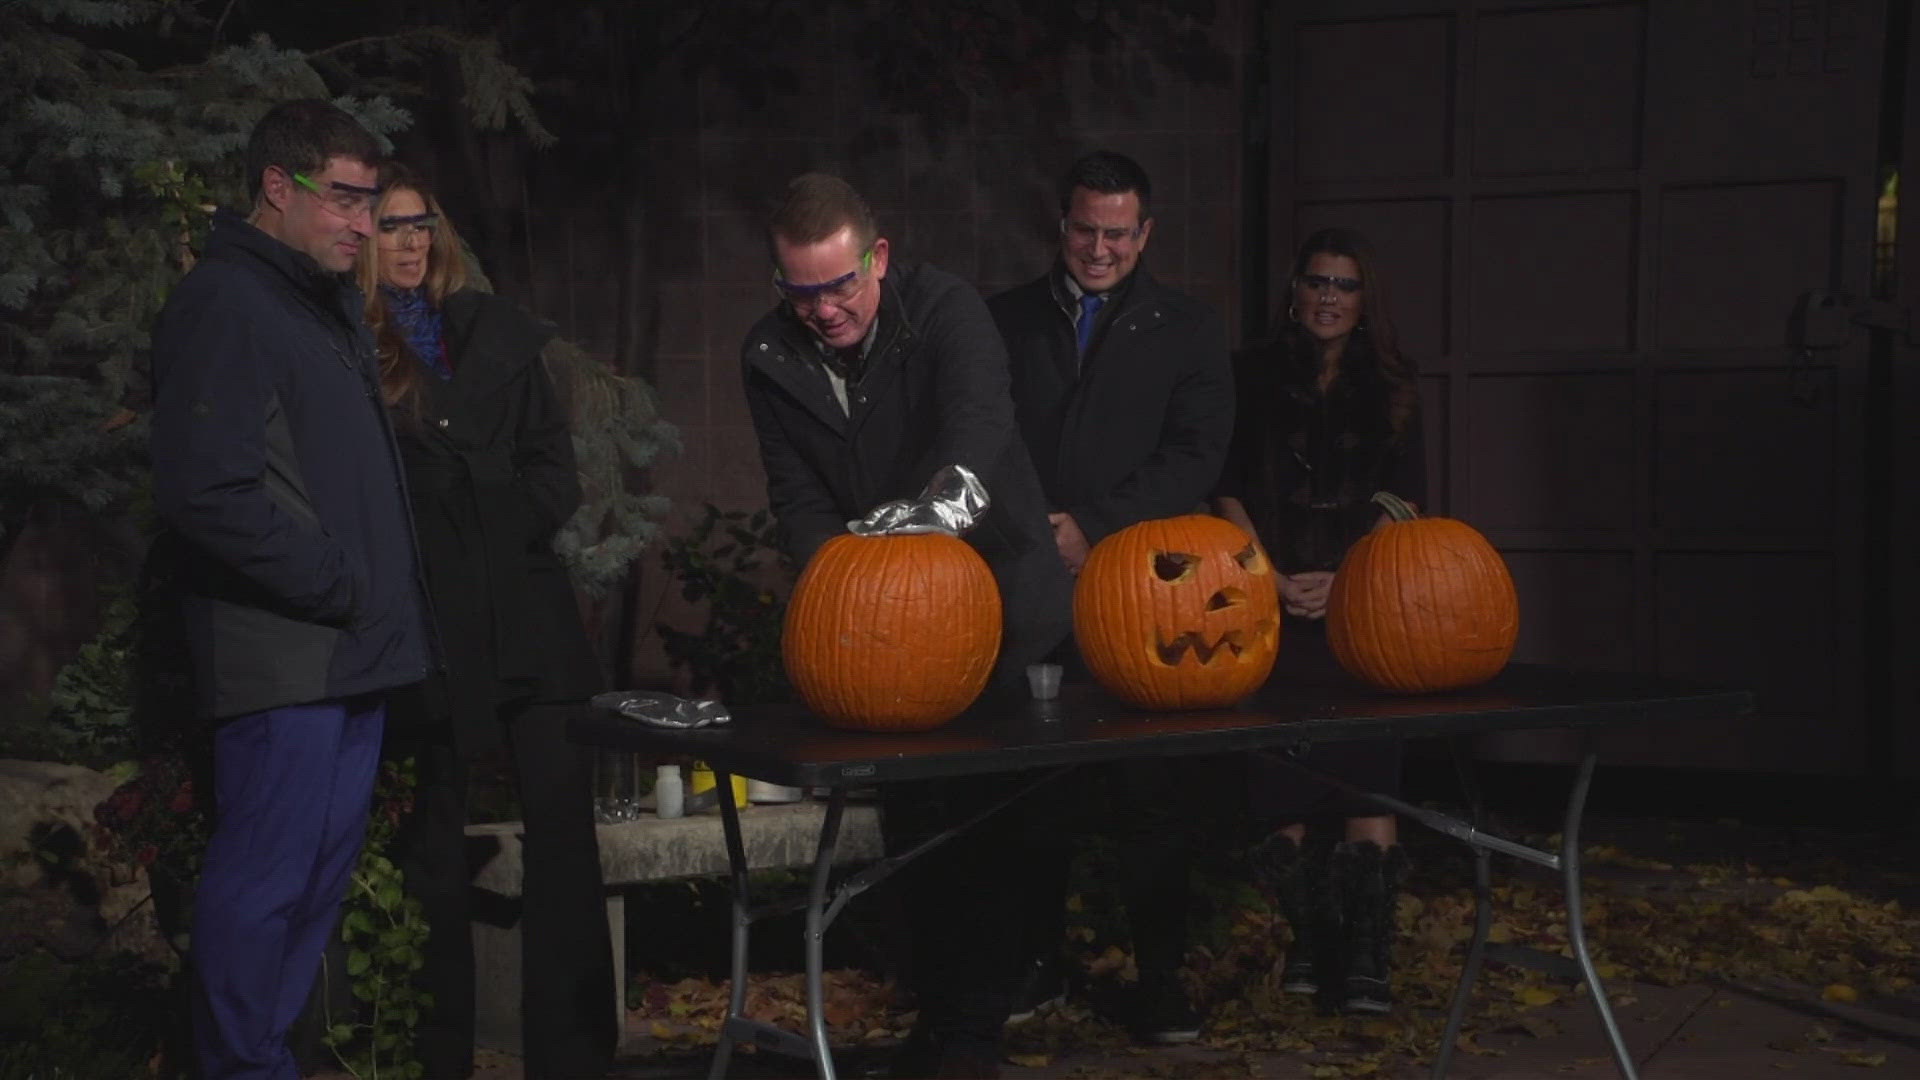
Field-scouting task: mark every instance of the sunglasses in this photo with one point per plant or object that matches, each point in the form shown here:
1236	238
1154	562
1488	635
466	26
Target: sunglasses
1321	283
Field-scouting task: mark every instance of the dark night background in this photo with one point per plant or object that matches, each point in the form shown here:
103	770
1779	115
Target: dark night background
1600	220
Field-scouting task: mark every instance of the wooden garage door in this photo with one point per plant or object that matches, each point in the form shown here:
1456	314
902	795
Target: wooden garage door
1598	218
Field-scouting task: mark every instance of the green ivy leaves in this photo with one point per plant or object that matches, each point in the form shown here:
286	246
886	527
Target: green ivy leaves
734	563
386	936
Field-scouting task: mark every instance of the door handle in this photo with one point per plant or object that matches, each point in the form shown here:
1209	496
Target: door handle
1824	319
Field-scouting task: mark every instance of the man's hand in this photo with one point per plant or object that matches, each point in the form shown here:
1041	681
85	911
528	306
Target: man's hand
1071	542
1305	594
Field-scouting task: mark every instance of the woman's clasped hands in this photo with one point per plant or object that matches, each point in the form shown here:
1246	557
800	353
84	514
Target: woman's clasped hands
1304	594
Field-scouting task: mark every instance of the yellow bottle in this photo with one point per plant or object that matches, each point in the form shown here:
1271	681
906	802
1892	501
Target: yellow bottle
700	779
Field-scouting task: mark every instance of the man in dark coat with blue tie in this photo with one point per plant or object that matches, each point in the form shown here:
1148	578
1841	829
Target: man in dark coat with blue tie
1124	397
1121	385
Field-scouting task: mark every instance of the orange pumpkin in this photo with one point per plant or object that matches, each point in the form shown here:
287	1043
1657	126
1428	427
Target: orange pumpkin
1178	613
892	633
1422	604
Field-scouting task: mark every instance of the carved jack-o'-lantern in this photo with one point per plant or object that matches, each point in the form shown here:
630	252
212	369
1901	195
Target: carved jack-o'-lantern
1178	613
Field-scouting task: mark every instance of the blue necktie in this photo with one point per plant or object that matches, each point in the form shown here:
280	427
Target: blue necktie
1090	305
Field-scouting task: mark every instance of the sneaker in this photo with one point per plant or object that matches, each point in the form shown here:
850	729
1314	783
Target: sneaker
1368	995
967	1061
1042	988
913	1058
1297	975
932	1057
1163	1016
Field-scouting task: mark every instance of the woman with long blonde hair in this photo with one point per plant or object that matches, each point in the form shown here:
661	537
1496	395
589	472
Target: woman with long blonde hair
490	472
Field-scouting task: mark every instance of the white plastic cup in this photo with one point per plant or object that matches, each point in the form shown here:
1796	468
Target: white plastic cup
614	786
1044	681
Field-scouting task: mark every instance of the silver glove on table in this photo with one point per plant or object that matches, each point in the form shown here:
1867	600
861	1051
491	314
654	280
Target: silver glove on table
662	710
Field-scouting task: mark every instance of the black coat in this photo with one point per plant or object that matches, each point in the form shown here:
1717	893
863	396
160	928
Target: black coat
1306	465
1140	429
490	464
934	393
285	531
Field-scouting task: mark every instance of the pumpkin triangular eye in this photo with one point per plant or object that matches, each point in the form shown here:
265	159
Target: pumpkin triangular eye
1249	559
1173	565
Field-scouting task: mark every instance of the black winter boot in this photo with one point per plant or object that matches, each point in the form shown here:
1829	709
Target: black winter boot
1295	880
1366	881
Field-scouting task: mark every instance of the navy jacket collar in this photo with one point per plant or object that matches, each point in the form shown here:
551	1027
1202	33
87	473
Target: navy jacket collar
236	238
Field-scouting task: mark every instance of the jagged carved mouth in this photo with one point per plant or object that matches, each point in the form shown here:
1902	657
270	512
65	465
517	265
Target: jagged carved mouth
1231	644
1173	652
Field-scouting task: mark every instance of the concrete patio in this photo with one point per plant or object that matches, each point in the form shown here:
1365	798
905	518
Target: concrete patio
1695	1032
1721	892
1709	1027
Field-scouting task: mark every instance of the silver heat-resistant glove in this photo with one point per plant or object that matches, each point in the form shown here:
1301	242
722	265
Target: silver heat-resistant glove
952	502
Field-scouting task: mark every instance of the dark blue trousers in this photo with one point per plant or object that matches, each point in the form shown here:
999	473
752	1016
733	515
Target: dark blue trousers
292	787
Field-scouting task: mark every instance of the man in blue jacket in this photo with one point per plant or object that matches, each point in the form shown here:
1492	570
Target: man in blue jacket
285	532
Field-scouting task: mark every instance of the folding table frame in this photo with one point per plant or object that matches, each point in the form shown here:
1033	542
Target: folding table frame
786	745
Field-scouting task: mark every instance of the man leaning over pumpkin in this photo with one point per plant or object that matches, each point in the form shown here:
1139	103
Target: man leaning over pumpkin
866	380
1124	396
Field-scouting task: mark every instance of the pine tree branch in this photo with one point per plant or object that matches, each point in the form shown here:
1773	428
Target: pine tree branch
221	22
701	16
430	34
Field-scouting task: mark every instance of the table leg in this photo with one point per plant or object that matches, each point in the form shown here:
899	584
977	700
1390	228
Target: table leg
823	903
1482	916
817	918
742	922
1476	956
1566	861
1576	921
738	1027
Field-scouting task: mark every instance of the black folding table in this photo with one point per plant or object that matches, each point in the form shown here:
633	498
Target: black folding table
788	745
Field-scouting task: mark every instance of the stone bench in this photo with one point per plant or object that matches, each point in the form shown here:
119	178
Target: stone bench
632	853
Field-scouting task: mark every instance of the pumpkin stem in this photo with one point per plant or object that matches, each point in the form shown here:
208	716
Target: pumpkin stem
1396	507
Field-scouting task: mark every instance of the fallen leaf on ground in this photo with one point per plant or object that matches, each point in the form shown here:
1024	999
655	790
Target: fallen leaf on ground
1535	996
1754	920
